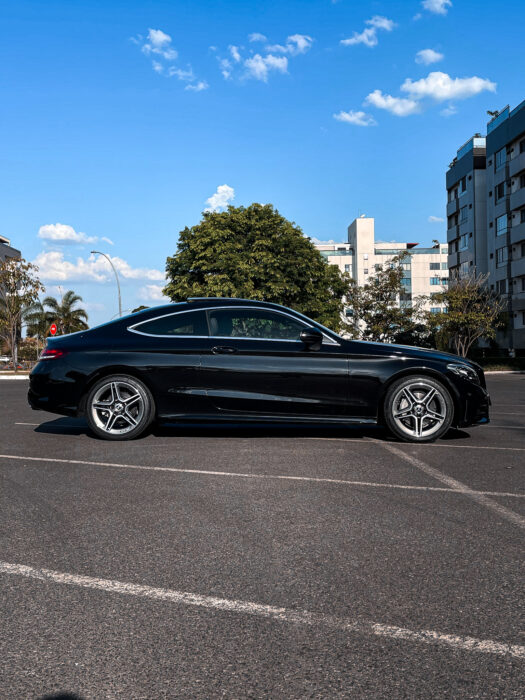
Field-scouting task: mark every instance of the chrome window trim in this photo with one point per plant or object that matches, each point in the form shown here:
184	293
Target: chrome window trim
133	328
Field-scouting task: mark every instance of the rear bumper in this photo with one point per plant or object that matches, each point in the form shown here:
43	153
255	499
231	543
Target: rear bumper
53	389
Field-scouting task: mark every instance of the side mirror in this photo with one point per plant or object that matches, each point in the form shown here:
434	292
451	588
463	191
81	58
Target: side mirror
312	338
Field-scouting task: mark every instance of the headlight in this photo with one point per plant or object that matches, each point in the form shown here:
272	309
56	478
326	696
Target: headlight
464	371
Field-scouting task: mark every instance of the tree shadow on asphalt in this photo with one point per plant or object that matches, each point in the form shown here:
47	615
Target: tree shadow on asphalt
78	426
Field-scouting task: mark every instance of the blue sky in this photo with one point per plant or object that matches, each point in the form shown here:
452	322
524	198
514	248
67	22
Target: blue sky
121	119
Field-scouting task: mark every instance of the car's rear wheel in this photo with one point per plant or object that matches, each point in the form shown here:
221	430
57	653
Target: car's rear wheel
418	409
119	407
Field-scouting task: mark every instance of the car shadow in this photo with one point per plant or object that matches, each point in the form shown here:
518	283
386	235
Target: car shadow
79	426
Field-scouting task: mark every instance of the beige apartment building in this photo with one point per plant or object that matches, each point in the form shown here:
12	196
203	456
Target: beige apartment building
426	270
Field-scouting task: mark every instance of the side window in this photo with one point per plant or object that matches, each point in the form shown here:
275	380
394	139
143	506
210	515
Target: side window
190	323
253	323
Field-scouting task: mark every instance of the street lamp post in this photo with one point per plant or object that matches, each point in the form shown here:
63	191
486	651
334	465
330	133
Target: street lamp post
97	252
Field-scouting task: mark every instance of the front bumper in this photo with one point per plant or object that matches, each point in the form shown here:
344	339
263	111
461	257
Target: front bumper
475	408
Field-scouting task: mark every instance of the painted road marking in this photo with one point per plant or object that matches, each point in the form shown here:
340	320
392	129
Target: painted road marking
478	496
27	423
426	444
298	617
279	477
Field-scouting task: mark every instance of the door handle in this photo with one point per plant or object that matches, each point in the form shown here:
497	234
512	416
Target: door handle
223	350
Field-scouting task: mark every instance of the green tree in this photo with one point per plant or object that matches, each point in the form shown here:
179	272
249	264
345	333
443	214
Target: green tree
473	312
255	253
377	313
139	308
19	288
65	313
37	321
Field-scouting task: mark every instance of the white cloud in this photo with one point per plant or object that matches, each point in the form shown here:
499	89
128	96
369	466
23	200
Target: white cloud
220	200
107	240
226	67
438	7
436	219
198	87
152	292
358	118
449	111
427	56
256	36
62	233
158	47
159	43
234	51
368	36
440	86
400	106
295	44
258	66
54	267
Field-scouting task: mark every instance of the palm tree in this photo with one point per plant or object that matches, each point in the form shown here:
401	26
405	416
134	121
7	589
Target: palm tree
68	318
37	320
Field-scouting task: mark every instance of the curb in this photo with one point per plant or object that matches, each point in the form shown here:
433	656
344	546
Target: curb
506	371
12	377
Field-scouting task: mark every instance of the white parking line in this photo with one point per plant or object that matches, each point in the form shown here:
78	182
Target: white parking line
458	486
427	444
27	423
297	617
244	475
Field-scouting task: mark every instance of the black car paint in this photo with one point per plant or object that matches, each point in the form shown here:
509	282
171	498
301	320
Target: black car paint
242	379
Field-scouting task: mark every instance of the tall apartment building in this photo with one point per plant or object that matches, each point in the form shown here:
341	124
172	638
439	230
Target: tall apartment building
486	214
6	251
426	269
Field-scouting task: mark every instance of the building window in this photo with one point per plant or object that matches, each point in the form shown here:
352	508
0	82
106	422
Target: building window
500	191
406	281
464	214
522	181
522	216
523	284
502	255
463	241
435	310
501	158
444	266
453	246
347	268
522	146
463	269
501	225
452	194
523	250
365	256
453	220
366	270
463	185
378	268
501	286
434	266
435	280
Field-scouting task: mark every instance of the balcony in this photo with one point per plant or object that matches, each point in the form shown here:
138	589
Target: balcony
517	164
452	207
517	199
517	233
517	267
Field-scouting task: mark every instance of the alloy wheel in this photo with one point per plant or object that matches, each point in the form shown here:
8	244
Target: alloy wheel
419	409
117	407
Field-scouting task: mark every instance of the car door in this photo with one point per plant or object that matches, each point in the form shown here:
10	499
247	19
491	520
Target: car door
254	363
167	350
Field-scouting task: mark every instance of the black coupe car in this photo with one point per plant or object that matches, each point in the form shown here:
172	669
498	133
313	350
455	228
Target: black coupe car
236	360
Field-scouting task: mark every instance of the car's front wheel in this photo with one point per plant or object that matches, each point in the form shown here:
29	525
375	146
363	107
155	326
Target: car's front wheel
119	407
418	409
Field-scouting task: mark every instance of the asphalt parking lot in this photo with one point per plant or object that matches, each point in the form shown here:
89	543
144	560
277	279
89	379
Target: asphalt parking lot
261	562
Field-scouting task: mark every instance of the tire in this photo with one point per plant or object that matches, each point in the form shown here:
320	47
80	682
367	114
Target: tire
418	408
119	407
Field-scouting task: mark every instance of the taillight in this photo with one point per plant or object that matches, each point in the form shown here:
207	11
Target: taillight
51	354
